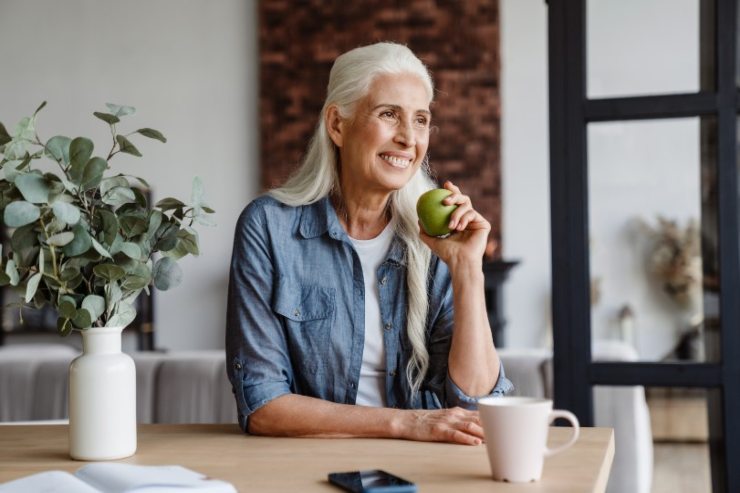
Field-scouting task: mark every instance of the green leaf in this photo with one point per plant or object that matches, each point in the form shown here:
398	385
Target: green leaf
155	220
94	304
108	223
107	117
167	274
112	182
33	187
20	213
133	283
167	237
24	238
41	106
131	250
140	198
32	286
125	314
15	149
80	150
141	180
169	203
119	196
133	224
67	213
187	243
67	307
57	148
113	295
100	248
152	134
115	245
61	239
64	326
109	272
196	195
4	135
83	319
80	244
26	129
126	146
12	272
93	173
120	110
11	169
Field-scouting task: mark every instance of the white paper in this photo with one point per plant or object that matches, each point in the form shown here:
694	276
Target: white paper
105	477
47	482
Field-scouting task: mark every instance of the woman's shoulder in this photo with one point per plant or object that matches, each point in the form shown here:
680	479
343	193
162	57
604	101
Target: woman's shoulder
266	206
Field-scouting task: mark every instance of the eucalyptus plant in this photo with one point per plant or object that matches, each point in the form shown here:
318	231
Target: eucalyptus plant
81	238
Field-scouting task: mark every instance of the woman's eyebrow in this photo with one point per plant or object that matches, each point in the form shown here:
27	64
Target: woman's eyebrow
399	108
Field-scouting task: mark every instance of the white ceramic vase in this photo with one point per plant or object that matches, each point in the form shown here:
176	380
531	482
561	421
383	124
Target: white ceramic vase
102	398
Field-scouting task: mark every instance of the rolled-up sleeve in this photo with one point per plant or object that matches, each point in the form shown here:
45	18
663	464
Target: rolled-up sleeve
258	362
440	340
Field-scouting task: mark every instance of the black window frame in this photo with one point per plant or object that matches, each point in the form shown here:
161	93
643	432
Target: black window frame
571	111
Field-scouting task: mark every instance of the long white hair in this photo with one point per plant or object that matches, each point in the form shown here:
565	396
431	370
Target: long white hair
318	176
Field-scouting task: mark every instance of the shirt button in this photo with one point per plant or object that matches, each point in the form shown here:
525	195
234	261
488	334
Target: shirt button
384	280
238	366
352	385
388	326
393	373
297	313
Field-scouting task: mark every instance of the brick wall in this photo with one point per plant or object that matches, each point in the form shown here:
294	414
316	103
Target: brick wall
457	40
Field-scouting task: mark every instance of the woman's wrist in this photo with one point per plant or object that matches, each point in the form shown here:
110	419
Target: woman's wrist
466	269
398	423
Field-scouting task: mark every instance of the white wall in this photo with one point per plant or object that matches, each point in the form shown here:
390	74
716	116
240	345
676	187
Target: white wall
189	67
636	169
525	169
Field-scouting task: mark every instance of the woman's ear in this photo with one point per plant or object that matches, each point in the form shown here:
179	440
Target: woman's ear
334	124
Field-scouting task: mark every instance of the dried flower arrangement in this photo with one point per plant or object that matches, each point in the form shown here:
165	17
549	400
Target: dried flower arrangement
675	260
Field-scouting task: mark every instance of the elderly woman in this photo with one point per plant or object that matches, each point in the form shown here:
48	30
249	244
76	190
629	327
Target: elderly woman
344	318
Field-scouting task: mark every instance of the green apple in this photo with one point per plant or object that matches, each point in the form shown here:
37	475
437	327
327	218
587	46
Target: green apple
433	214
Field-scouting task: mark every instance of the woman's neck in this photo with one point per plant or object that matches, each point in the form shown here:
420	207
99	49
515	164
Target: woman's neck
362	219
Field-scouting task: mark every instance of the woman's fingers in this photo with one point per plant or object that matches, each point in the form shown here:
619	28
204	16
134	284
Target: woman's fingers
454	425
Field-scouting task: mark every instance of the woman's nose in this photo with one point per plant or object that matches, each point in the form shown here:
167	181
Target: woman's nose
405	135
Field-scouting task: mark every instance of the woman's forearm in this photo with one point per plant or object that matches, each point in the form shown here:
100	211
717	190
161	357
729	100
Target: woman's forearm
301	416
473	362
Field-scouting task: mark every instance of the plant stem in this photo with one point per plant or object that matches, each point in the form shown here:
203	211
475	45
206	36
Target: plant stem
51	248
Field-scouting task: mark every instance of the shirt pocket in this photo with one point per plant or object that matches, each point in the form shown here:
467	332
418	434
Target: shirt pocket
307	312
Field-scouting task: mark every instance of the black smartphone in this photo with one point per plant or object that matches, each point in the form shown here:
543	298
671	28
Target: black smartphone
372	481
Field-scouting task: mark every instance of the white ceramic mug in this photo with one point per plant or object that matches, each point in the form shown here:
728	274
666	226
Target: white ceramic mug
516	435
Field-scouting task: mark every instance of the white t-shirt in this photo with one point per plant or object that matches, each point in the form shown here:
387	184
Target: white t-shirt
371	389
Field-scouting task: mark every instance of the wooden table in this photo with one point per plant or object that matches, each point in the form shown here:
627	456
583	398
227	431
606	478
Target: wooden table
302	464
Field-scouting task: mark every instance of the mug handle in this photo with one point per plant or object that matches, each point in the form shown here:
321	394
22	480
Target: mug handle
558	413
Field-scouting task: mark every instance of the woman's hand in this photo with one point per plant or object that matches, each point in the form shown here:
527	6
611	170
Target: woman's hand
469	232
455	425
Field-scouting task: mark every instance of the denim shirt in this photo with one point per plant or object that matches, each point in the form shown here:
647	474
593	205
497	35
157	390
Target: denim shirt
296	312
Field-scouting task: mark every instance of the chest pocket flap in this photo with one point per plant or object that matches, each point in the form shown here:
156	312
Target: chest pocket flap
302	303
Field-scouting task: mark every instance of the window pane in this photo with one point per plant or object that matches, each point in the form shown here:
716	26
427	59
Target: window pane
661	436
652	233
636	47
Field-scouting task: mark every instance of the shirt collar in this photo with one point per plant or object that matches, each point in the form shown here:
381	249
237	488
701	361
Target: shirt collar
320	217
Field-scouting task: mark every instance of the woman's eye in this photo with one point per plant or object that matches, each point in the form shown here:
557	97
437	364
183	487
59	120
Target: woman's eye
388	114
422	121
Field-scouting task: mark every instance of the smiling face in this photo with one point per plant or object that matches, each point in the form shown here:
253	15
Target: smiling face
384	143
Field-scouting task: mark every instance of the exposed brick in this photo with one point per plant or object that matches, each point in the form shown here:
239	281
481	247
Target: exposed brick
457	40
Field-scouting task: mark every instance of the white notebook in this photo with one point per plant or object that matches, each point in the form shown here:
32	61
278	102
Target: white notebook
106	477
